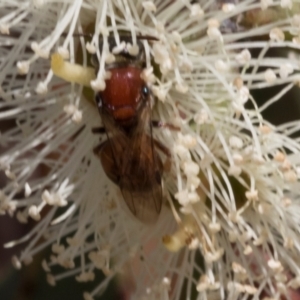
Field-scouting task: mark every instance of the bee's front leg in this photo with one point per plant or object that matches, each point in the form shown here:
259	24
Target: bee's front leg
168	162
98	130
98	148
161	124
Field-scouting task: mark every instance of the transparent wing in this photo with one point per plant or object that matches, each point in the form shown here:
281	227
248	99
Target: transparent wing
140	184
135	166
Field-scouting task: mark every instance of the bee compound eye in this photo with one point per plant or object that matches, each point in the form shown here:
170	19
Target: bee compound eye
98	99
145	91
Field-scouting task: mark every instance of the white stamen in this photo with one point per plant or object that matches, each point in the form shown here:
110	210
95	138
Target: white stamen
87	296
43	53
252	195
45	266
221	66
38	3
27	190
85	277
51	280
234	170
286	70
196	10
286	4
118	49
91	48
181	87
215	33
228	7
41	88
4	29
270	76
191	168
202	117
34	213
16	262
275	265
149	6
243	57
277	35
133	49
236	142
63	52
265	4
98	84
23	67
57	249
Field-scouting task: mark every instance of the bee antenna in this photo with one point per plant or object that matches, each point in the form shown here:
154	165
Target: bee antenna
147	37
88	35
83	34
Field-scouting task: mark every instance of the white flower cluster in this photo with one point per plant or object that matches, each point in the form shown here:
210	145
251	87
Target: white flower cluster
229	226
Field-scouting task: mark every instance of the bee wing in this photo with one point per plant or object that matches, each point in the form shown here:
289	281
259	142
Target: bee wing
141	182
135	166
117	143
141	185
145	204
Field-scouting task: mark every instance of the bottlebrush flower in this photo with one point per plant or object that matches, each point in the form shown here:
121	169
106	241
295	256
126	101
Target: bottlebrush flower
229	226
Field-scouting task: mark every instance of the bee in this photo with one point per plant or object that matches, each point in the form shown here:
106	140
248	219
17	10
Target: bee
128	156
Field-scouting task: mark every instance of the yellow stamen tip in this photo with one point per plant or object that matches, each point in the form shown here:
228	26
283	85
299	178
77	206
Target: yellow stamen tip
71	72
57	62
172	243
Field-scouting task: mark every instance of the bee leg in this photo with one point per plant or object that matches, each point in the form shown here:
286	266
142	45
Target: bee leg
162	147
168	162
161	124
98	130
102	151
97	149
167	165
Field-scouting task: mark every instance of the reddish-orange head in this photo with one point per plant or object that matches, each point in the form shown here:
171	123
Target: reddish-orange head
123	93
